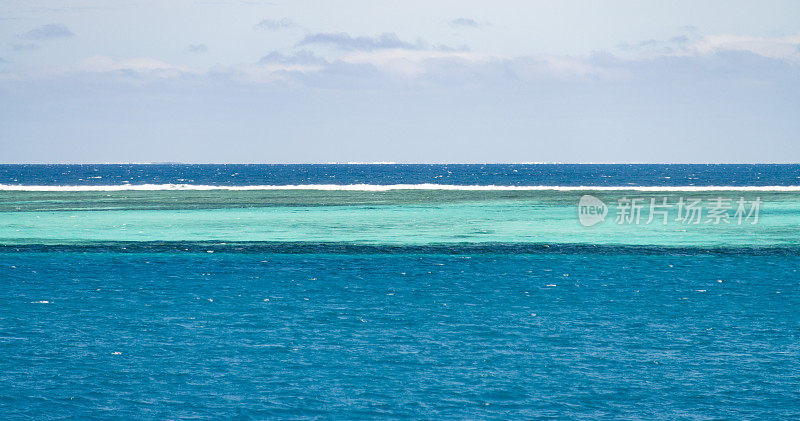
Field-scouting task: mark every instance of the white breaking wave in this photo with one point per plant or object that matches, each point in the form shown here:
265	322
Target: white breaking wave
378	187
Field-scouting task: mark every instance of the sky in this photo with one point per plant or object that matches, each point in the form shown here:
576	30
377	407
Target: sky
207	81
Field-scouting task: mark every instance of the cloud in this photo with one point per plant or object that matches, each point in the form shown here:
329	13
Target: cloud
49	31
133	67
784	48
2	60
344	41
652	47
274	25
434	66
197	48
467	22
692	44
299	57
24	47
386	60
413	63
277	66
428	65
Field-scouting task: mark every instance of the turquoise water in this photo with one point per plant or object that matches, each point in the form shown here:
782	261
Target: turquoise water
399	217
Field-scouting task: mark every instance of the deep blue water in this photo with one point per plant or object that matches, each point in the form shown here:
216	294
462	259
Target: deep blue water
431	335
454	174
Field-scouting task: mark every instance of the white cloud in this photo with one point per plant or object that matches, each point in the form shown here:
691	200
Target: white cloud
468	22
564	66
275	24
692	44
136	66
278	67
386	58
411	63
344	41
781	48
272	72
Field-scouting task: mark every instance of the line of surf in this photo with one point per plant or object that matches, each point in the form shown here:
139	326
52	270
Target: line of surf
379	187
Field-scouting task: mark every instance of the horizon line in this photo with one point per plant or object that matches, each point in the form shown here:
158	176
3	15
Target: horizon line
400	163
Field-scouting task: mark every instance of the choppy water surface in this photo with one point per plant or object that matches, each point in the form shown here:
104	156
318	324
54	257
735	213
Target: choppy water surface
432	335
405	303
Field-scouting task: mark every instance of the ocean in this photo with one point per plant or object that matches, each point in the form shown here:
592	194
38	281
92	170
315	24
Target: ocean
400	291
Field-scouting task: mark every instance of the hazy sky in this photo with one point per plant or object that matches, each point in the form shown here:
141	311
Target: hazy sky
410	81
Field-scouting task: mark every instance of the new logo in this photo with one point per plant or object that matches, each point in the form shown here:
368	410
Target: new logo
591	210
